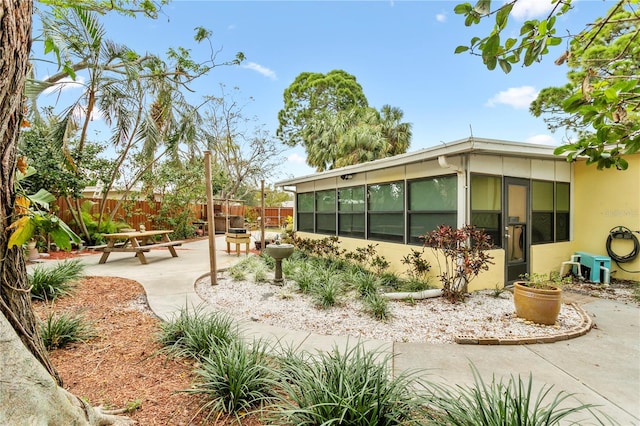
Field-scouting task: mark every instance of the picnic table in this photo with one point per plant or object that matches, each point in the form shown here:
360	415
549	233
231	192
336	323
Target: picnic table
138	242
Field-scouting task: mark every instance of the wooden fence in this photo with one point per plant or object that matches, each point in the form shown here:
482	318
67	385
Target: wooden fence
139	213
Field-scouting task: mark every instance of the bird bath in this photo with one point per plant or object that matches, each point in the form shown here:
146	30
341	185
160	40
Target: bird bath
279	252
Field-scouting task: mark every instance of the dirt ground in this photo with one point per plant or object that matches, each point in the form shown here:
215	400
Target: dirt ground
122	367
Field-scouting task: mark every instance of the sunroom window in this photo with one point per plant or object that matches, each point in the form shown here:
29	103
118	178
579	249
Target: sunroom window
305	209
386	211
351	207
432	202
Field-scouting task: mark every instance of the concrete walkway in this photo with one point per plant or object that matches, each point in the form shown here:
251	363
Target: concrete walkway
602	367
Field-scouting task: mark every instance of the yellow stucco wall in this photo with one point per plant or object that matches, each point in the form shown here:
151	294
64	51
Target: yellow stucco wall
395	252
604	199
546	258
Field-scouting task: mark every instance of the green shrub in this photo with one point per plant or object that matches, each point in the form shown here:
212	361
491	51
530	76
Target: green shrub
326	293
192	333
57	281
353	387
390	279
365	284
377	306
499	403
235	378
305	277
260	275
236	273
413	285
58	331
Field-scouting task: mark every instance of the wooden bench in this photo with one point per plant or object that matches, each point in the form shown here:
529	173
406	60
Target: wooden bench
138	243
101	247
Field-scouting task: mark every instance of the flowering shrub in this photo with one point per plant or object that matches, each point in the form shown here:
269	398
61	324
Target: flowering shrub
461	255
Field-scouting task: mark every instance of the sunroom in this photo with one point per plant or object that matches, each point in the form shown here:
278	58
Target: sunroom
520	194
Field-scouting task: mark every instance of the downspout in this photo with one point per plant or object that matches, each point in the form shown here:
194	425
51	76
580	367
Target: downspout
295	207
460	282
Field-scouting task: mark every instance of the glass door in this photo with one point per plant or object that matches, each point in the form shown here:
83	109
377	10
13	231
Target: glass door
515	221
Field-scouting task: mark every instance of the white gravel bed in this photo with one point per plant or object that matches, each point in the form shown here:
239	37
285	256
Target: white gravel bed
430	320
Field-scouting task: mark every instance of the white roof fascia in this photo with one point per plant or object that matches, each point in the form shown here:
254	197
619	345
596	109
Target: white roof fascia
462	146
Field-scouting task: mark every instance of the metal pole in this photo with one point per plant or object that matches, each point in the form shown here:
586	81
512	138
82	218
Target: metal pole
210	222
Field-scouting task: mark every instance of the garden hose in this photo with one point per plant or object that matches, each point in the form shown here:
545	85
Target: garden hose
623	233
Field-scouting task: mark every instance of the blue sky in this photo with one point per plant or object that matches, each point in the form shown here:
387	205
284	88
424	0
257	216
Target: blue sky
401	53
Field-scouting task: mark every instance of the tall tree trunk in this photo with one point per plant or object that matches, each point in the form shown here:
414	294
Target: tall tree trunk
15	300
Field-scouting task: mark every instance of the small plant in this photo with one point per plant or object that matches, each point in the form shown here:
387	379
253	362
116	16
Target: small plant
500	403
367	256
237	273
235	378
497	291
59	331
346	387
365	283
413	286
327	293
390	279
418	268
192	333
305	277
133	406
542	281
260	274
377	306
54	282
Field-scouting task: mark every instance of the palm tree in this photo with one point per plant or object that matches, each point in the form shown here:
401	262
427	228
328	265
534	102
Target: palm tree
139	96
397	133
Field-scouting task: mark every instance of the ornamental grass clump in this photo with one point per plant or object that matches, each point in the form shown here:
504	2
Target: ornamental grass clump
506	403
58	331
49	283
235	378
377	306
327	292
346	387
193	332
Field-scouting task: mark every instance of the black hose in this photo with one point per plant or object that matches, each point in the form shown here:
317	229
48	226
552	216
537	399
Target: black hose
621	232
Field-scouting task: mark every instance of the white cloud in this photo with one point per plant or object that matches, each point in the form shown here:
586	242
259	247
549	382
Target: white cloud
527	9
441	17
516	97
65	84
296	158
260	69
542	140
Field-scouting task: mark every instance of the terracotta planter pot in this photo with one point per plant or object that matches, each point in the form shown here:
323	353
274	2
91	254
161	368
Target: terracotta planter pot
541	306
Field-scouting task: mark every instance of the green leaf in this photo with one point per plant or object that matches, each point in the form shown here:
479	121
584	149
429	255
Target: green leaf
510	43
621	164
554	41
462	8
483	7
502	17
505	65
527	27
42	198
603	134
469	20
491	63
611	94
542	28
461	49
